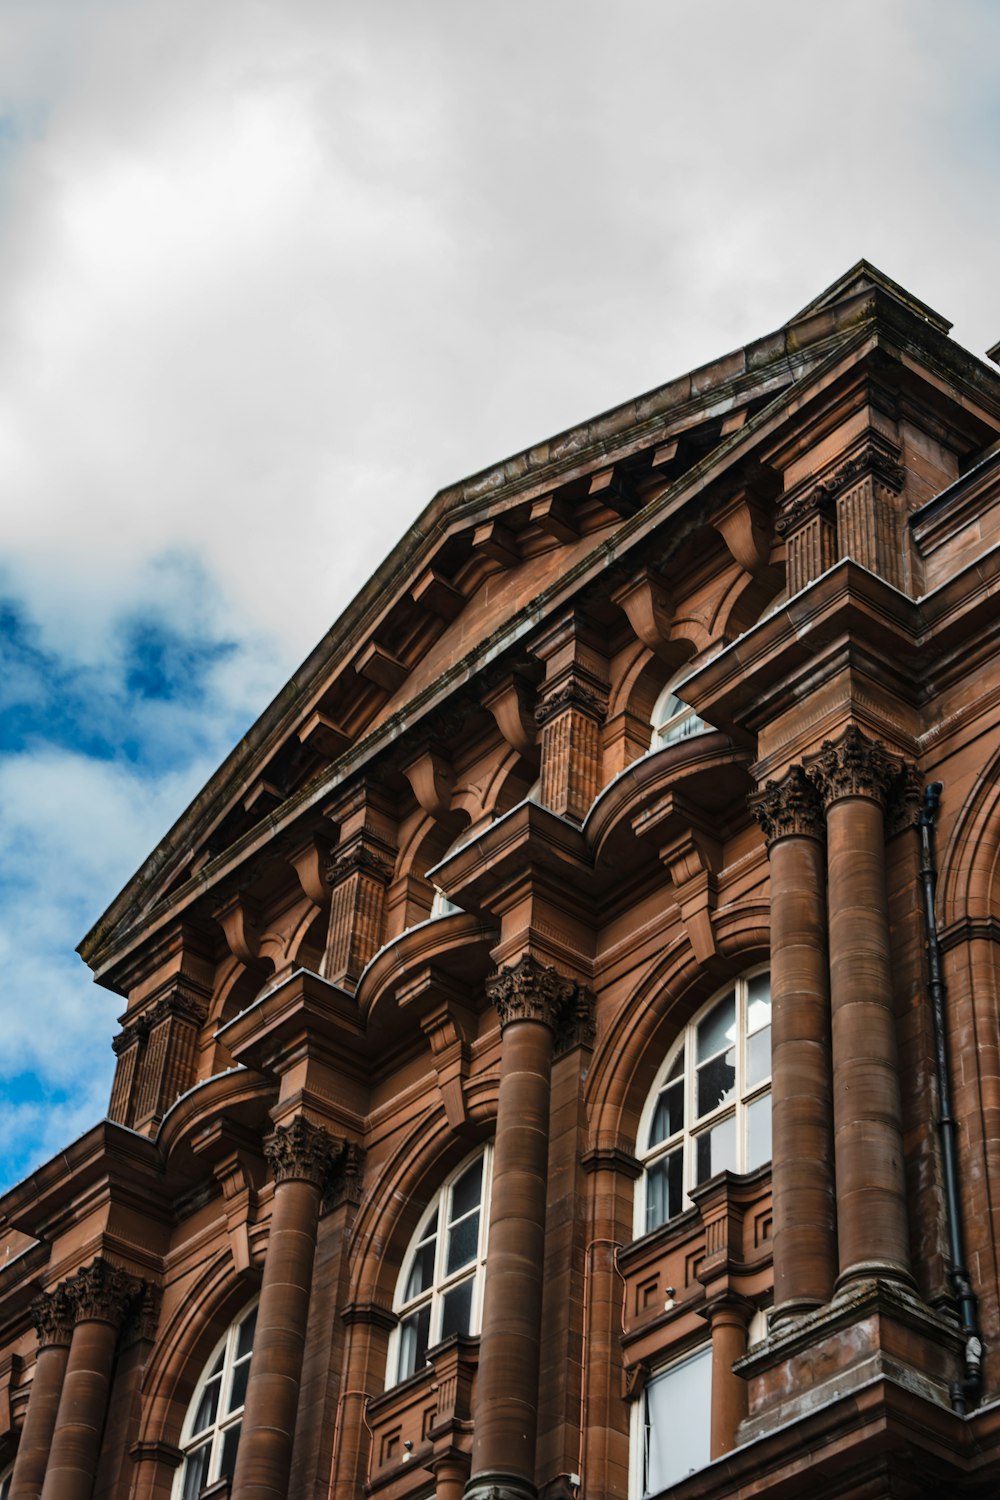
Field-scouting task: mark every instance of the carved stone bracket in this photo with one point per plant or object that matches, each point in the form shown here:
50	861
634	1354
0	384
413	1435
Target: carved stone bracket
53	1314
532	991
102	1293
853	766
302	1152
577	1026
692	861
346	1180
789	808
905	800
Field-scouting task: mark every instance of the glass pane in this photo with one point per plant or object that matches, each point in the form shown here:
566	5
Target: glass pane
422	1270
208	1405
759	1132
414	1334
716	1149
716	1082
468	1190
230	1443
244	1342
678	1408
196	1472
456	1316
665	1189
758	1056
758	1002
718	1028
668	1117
463	1240
238	1393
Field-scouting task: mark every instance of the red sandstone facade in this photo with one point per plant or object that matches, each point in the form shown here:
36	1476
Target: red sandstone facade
444	1082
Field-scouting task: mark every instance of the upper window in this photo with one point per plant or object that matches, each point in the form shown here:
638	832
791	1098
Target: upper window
672	718
440	1288
710	1109
211	1431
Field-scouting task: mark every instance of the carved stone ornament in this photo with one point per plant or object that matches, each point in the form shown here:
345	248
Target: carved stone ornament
577	1025
789	807
532	991
130	1036
877	458
346	1178
362	859
102	1293
53	1314
818	502
181	1004
853	766
587	697
906	800
302	1152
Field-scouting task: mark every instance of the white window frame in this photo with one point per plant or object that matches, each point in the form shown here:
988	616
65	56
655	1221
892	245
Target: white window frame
672	719
442	1282
639	1444
224	1421
745	1095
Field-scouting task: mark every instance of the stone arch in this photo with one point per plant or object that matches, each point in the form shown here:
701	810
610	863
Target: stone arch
969	881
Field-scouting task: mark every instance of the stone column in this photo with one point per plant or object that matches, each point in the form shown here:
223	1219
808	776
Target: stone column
805	1244
53	1315
99	1295
854	776
300	1156
729	1317
531	1000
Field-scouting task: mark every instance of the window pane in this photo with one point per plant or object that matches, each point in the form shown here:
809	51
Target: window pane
716	1082
716	1149
244	1342
208	1405
758	1002
718	1028
758	1056
668	1117
414	1333
456	1316
238	1394
230	1443
422	1271
463	1240
677	1410
196	1472
468	1190
665	1189
759	1132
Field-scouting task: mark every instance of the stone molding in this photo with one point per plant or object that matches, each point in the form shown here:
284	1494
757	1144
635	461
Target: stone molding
533	991
102	1293
789	808
361	859
578	692
53	1316
302	1152
853	766
878	458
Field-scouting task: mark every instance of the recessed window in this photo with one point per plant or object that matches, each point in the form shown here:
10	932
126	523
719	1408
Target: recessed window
674	720
710	1108
675	1414
440	1288
211	1431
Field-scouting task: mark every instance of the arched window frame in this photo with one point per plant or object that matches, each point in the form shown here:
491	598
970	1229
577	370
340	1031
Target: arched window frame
411	1338
229	1364
659	1198
672	719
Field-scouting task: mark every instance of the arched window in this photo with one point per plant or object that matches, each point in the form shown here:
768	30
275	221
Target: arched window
440	1288
673	719
710	1108
211	1431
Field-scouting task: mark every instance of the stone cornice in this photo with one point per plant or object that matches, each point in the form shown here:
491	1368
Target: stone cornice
789	808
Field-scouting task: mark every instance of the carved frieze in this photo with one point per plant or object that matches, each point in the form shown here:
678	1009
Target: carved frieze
53	1314
302	1152
789	807
532	991
853	766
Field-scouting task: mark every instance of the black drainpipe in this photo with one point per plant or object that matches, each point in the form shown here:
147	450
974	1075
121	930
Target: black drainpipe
965	1392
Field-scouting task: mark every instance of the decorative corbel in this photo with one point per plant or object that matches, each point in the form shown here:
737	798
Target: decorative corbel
647	604
432	777
450	1027
436	593
692	860
237	1164
612	488
744	526
311	862
515	720
495	541
10	1376
380	666
238	918
553	514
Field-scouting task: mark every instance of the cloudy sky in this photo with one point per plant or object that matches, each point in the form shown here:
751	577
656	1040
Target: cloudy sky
273	271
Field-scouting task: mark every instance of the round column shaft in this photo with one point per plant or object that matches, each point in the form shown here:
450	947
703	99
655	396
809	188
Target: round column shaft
854	776
53	1315
729	1318
300	1156
805	1246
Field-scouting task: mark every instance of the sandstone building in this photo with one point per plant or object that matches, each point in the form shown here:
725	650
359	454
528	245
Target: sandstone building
547	1067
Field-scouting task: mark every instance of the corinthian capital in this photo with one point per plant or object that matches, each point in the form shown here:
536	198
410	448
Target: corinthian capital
853	766
102	1293
302	1152
53	1314
789	807
531	991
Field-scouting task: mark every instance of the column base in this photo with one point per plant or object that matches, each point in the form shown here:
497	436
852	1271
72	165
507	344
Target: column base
492	1484
792	1308
874	1270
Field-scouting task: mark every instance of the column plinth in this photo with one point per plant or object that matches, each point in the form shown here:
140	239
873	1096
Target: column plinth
300	1156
